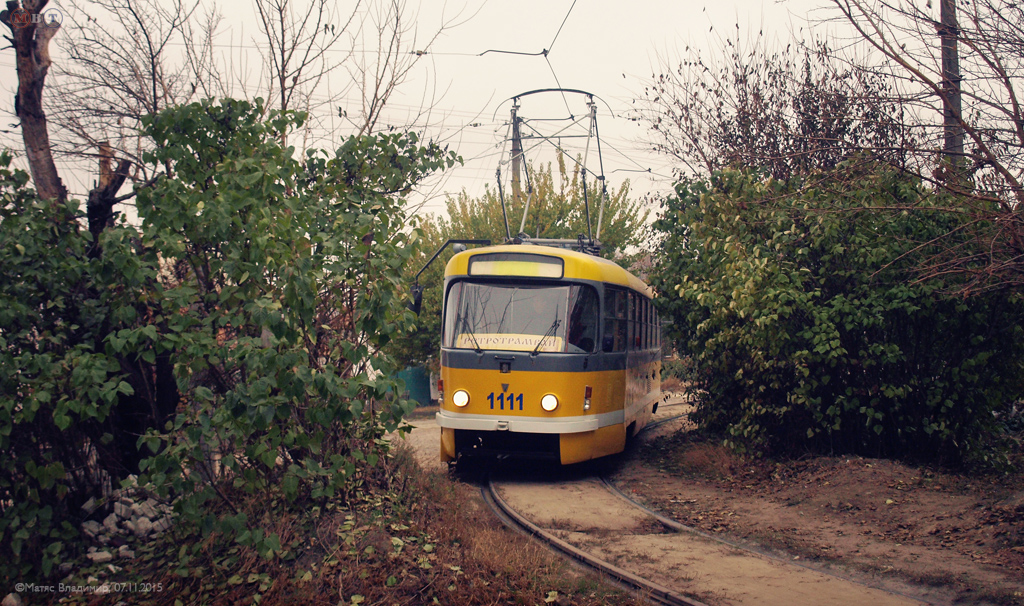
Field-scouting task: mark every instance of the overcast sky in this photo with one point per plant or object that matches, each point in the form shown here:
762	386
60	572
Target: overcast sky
594	45
603	48
599	46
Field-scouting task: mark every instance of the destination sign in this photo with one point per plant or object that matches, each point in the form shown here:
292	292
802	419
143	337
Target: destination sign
509	342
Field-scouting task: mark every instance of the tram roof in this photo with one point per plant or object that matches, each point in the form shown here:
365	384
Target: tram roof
579	266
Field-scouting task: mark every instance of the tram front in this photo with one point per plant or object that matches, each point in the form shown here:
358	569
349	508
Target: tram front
521	367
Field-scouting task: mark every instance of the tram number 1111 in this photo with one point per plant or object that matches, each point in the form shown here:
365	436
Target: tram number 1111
509	398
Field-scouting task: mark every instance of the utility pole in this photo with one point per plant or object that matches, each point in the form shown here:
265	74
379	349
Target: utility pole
949	32
517	154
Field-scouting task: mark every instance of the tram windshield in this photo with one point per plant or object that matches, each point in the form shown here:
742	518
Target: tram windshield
530	318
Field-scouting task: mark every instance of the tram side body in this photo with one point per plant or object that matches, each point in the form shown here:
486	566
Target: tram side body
506	377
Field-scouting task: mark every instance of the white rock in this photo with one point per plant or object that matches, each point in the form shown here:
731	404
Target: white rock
91	528
162	525
148	509
125	553
123	511
100	557
90	506
12	599
110	523
130	526
143	527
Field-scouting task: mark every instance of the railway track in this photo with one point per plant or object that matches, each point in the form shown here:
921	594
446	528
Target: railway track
650	590
653	591
669	562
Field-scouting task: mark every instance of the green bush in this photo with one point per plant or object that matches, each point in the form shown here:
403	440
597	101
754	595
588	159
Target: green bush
255	298
802	308
283	284
681	368
58	387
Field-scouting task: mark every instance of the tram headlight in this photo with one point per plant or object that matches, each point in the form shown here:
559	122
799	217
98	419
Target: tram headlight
460	398
549	402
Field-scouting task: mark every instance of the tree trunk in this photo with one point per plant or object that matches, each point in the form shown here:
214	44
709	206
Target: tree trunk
103	197
31	40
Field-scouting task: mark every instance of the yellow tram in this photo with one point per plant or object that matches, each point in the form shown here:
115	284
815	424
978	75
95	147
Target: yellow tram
546	353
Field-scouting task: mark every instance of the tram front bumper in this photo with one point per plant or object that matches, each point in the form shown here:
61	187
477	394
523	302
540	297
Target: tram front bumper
558	425
576	439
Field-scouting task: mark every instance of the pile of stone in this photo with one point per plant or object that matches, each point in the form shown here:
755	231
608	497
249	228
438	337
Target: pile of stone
132	518
134	515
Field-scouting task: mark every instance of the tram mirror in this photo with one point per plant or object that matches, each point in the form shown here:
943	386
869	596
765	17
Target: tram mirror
417	298
458	248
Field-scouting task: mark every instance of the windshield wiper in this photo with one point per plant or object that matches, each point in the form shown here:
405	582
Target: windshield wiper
472	335
550	331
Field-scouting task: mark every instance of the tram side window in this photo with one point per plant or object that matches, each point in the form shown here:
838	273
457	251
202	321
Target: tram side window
644	323
639	340
583	318
656	326
634	320
615	323
651	332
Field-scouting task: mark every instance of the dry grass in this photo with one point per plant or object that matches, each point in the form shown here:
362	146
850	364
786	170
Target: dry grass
672	385
413	538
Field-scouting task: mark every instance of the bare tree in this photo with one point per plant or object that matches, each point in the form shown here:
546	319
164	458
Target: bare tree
127	59
30	38
990	179
296	58
379	74
904	99
786	111
990	36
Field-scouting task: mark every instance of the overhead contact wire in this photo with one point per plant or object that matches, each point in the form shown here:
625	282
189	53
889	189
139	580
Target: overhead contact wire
551	46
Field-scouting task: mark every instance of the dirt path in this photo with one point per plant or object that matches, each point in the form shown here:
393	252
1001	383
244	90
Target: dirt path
583	512
960	538
425	439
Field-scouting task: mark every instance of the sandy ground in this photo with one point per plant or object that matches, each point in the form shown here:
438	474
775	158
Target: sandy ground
960	538
584	513
786	572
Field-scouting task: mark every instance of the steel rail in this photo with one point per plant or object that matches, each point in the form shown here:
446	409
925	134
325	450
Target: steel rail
651	590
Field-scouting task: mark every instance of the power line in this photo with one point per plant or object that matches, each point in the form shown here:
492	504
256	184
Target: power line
552	45
543	52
